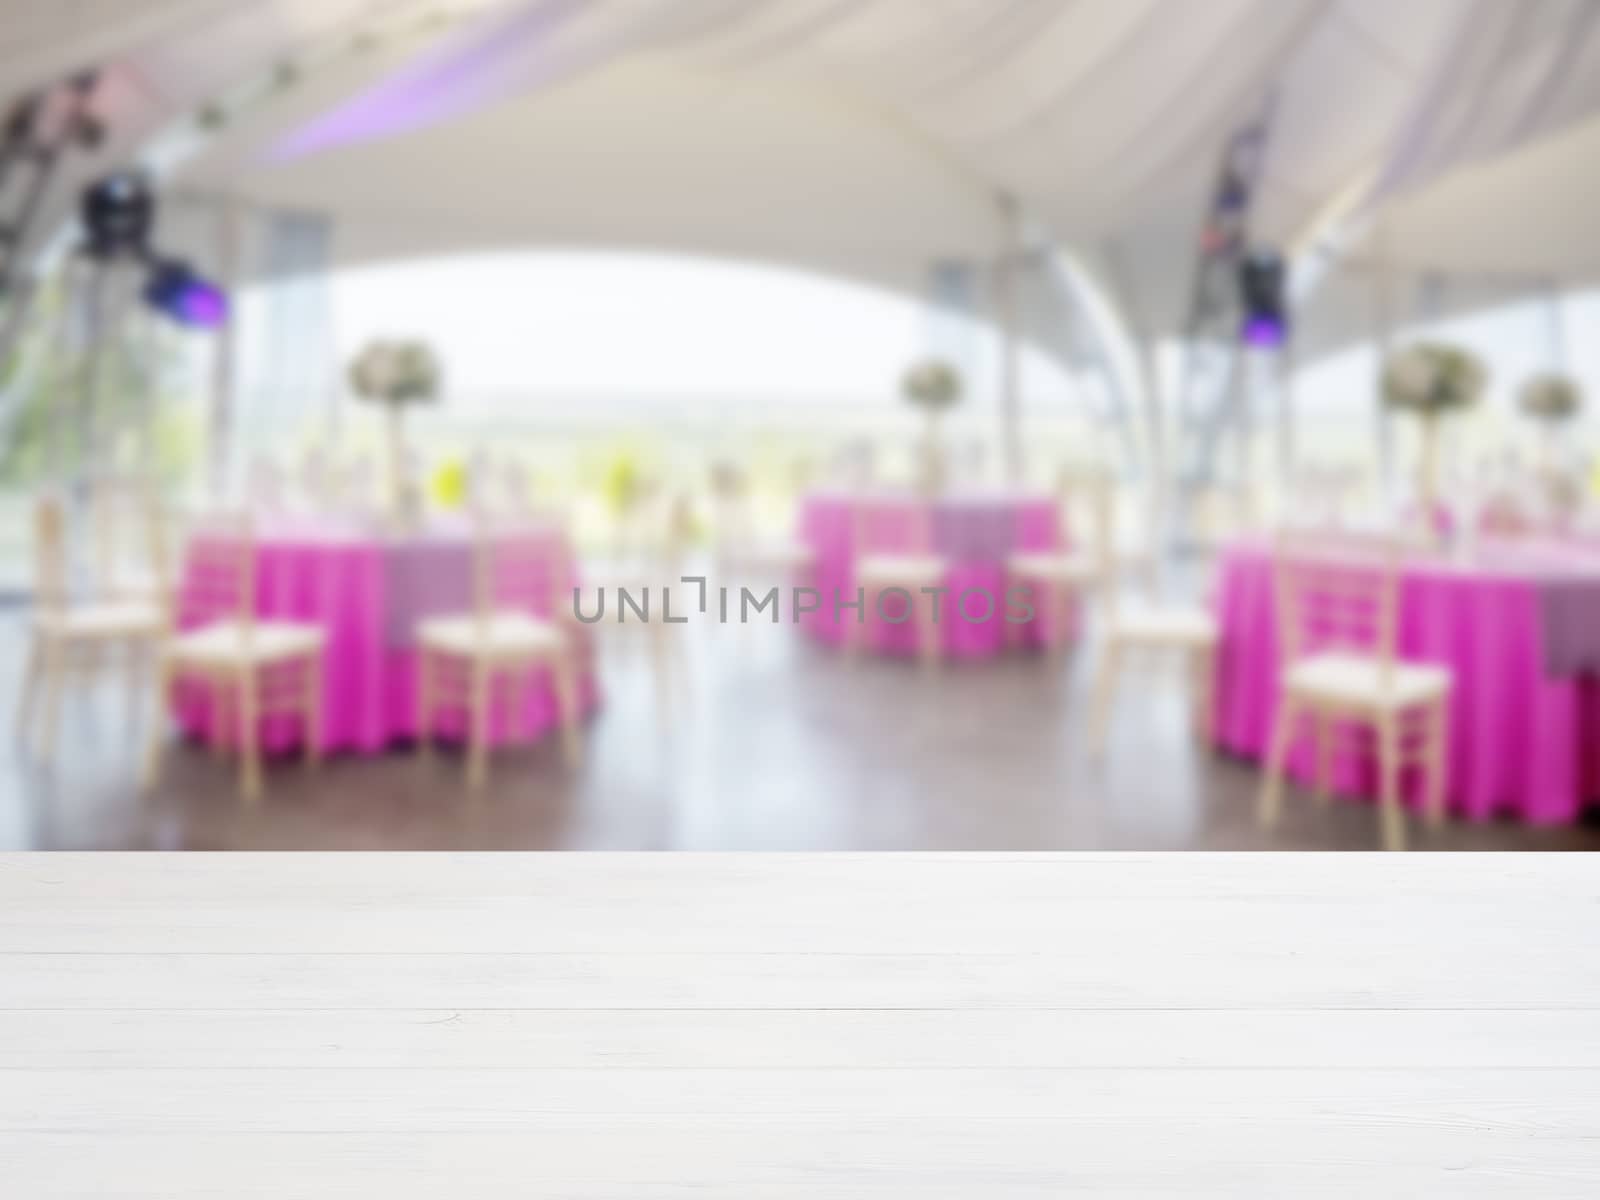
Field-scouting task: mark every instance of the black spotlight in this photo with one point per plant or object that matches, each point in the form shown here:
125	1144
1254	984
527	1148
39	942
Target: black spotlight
119	211
1262	287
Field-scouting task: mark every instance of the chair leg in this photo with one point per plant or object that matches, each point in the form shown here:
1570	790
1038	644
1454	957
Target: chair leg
1283	728
313	712
55	682
1391	817
478	747
928	640
1203	674
1438	760
248	683
855	630
663	664
564	677
30	685
424	703
1104	694
1323	731
158	720
135	663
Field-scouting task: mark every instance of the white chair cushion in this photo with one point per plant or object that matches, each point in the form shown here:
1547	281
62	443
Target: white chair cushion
889	569
1055	567
1357	680
225	643
778	554
109	621
1166	626
501	635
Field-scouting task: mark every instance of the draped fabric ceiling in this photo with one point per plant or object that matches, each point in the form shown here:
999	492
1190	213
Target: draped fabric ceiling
867	136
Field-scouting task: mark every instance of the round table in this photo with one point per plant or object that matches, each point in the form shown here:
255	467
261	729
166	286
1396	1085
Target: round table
1524	722
368	592
973	531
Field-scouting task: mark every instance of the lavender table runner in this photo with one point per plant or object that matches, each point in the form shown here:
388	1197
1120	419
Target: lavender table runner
973	530
1570	621
425	576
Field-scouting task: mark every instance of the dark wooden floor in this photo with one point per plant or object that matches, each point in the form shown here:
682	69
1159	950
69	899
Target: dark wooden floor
777	745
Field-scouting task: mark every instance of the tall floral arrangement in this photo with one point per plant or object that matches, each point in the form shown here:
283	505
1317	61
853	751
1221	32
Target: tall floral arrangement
933	387
1551	398
398	375
1431	380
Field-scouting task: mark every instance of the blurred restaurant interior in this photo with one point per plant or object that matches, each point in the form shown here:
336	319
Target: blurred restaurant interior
799	425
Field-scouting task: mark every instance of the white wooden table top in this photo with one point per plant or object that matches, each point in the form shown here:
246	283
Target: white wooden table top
970	1027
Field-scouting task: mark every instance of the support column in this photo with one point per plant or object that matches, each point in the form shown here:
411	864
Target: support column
222	424
1383	338
1010	351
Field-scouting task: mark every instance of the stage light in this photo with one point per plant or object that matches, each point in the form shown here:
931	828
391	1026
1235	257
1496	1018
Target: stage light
118	214
1264	332
174	289
1265	324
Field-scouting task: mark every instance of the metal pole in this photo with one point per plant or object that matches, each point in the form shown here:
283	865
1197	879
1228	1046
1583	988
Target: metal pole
222	423
1010	359
1286	416
1383	336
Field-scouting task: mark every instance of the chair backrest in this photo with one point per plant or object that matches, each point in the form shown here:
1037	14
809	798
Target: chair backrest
521	565
129	521
219	581
891	525
1088	501
50	568
1337	591
731	509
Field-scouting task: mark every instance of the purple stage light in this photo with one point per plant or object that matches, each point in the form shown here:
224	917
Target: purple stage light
175	290
1264	332
202	304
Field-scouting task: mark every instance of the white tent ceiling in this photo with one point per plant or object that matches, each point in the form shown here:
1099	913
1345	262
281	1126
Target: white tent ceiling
861	135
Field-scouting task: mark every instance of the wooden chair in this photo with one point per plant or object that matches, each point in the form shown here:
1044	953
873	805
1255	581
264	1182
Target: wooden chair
892	547
130	552
1147	626
1337	600
741	550
1061	578
515	629
648	553
73	639
252	668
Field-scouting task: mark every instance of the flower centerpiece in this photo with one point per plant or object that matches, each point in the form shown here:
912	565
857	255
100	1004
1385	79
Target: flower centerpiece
1432	380
397	375
1553	400
934	387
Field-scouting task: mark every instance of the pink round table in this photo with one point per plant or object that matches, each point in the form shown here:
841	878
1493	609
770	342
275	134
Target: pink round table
367	592
1524	740
974	532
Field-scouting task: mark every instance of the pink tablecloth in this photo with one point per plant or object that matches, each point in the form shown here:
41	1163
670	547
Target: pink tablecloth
1522	742
974	532
358	589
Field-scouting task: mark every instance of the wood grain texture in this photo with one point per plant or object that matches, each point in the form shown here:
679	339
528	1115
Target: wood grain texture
636	1026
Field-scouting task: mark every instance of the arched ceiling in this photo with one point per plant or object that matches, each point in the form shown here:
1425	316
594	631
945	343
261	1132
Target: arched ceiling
869	135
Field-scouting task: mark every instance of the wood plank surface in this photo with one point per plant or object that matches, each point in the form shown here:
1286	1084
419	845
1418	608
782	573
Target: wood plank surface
798	1026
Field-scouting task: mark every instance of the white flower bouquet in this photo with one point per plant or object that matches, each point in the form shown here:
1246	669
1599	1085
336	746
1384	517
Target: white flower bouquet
396	373
932	385
1431	379
1553	398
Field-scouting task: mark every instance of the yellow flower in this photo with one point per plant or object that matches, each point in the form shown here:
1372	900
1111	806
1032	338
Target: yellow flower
448	488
